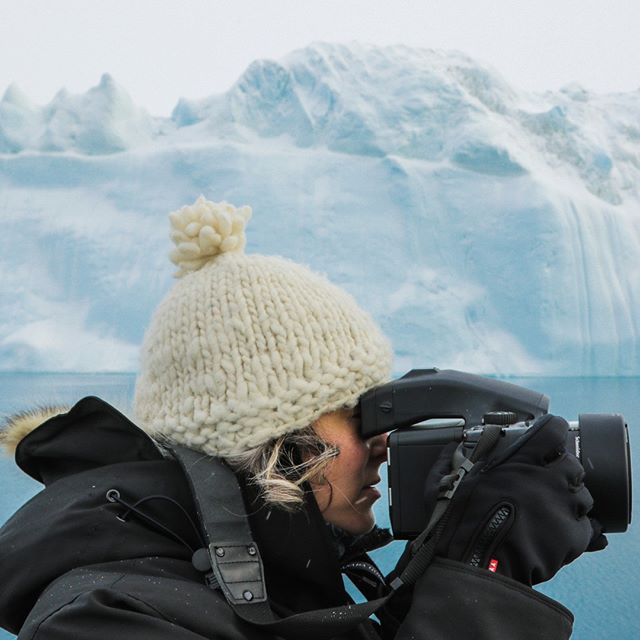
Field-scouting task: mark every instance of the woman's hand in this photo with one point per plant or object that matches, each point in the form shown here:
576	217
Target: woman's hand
523	513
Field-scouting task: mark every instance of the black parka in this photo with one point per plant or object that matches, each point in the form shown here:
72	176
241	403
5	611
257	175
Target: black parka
72	566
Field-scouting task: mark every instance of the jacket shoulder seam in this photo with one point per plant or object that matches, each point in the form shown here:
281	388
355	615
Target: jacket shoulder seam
53	613
66	604
136	598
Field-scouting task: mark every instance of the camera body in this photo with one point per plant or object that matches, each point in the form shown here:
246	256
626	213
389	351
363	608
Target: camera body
427	409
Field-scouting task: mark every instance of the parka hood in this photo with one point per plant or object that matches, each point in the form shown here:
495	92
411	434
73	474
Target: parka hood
79	456
20	425
49	445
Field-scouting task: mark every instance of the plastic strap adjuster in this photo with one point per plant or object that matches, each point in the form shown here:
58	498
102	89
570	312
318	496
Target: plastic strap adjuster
465	466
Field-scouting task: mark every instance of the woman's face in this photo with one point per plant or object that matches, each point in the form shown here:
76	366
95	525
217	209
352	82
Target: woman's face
346	494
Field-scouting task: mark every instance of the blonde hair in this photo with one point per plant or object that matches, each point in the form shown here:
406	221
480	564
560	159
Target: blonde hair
280	467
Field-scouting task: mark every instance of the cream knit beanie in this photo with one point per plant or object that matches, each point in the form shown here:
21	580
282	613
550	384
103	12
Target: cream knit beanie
245	348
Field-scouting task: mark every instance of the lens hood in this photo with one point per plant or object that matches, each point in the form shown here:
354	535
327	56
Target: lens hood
605	456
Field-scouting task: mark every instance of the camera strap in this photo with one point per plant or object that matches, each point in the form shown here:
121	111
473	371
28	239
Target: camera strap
231	561
423	548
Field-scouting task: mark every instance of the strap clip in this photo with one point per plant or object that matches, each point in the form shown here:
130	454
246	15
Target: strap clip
465	466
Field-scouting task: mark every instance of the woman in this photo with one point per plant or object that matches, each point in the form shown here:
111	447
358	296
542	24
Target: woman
260	362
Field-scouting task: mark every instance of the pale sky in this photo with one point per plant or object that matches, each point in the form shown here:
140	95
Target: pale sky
161	50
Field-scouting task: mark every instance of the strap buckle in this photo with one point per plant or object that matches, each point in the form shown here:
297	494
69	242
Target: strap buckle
465	466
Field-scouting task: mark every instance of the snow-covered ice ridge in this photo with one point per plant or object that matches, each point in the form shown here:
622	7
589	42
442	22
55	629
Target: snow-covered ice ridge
486	228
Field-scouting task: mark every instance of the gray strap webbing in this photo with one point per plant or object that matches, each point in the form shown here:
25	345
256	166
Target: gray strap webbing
233	555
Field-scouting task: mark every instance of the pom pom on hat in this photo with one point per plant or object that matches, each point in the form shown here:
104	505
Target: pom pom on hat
204	230
249	347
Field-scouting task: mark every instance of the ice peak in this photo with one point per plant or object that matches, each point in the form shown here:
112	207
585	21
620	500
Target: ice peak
111	92
107	81
61	95
15	96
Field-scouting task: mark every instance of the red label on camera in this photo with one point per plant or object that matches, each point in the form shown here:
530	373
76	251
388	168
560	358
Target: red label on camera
493	565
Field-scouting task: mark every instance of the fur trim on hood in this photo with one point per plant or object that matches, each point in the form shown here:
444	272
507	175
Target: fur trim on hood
22	424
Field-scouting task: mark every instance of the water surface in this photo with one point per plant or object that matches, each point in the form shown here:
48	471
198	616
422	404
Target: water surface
601	588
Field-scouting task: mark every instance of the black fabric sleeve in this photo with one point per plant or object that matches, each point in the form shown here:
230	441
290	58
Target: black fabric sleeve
107	615
457	601
154	600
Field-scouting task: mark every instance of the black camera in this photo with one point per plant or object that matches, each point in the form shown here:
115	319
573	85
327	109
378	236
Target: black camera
428	408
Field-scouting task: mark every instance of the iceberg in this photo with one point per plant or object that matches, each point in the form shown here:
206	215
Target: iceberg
486	228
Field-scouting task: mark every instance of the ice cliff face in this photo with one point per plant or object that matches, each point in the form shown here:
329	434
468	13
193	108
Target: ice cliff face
485	228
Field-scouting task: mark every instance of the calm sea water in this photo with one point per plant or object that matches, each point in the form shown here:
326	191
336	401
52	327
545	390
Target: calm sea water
602	589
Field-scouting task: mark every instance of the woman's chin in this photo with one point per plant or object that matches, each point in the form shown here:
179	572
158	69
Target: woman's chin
358	523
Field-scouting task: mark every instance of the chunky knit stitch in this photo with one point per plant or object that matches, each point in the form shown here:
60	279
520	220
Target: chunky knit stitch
245	348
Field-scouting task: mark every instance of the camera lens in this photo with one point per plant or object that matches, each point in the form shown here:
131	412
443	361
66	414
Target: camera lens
601	442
